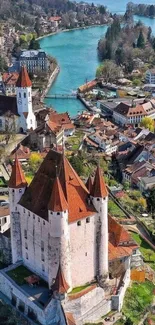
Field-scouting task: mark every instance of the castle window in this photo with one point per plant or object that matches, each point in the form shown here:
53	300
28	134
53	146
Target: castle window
42	257
26	256
5	220
29	94
88	220
26	246
30	121
85	254
24	95
43	268
38	219
25	234
29	214
98	199
79	223
42	245
13	191
19	95
58	213
20	190
24	210
44	223
33	216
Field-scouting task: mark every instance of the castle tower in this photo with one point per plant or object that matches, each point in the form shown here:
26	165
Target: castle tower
17	186
99	195
58	218
24	101
60	285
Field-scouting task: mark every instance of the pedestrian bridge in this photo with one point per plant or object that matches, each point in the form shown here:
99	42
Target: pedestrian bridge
61	96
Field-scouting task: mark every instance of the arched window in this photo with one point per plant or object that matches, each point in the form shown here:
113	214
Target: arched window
24	95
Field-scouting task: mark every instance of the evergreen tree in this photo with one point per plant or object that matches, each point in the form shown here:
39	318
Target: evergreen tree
149	33
34	44
152	11
141	40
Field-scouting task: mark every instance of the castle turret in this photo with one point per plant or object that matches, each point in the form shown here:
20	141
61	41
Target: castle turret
58	218
99	195
89	184
17	186
24	101
60	285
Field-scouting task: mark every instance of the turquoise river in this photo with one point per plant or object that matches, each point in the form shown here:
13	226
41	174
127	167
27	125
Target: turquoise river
76	54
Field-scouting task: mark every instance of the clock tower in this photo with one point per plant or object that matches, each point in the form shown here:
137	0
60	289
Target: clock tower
27	118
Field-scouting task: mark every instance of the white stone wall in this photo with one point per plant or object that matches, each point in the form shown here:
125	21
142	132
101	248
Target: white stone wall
4	223
88	308
52	314
83	264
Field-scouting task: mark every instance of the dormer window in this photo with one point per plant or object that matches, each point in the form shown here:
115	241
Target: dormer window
79	223
20	190
88	220
58	213
98	199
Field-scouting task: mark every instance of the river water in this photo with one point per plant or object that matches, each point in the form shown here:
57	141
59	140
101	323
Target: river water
76	54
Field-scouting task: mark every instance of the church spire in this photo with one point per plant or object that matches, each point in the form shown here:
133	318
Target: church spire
57	202
99	188
23	80
60	285
17	179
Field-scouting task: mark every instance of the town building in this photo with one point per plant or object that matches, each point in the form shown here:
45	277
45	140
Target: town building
62	237
9	81
16	113
55	21
150	76
35	61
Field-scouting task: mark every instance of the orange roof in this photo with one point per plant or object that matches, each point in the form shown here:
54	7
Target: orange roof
55	18
70	319
61	119
57	200
23	80
60	283
99	188
89	183
10	78
117	233
41	187
118	252
17	179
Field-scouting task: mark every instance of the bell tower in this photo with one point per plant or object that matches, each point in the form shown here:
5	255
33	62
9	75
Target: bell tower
24	101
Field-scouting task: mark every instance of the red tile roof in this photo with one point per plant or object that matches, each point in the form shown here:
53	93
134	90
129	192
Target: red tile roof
70	319
117	233
37	196
99	188
10	78
17	179
23	80
55	18
57	200
61	119
60	283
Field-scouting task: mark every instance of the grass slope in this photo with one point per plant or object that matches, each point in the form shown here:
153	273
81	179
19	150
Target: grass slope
146	250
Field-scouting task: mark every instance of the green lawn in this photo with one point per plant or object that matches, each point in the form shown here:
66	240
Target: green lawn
137	298
78	289
114	210
146	250
19	274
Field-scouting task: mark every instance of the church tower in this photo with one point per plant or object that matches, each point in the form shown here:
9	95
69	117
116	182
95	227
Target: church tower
24	101
99	196
17	186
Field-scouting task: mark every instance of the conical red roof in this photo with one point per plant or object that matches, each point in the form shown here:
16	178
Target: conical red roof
17	179
23	80
60	283
89	183
99	188
57	200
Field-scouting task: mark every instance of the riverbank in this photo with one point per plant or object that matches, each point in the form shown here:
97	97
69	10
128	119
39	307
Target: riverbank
70	30
50	82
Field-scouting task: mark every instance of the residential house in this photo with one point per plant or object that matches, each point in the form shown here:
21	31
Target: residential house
150	76
9	83
105	142
146	183
55	21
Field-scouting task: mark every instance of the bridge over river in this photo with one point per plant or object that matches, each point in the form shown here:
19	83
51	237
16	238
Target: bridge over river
61	96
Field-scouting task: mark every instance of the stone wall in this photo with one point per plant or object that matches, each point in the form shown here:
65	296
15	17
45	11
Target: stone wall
5	249
51	315
89	307
117	300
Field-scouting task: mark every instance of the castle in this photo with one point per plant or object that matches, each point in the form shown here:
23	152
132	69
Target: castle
16	112
62	235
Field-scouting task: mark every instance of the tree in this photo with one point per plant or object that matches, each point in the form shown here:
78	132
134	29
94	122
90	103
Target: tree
102	10
152	11
147	123
149	33
34	44
151	200
3	65
35	161
77	164
126	186
141	40
109	71
142	203
128	321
